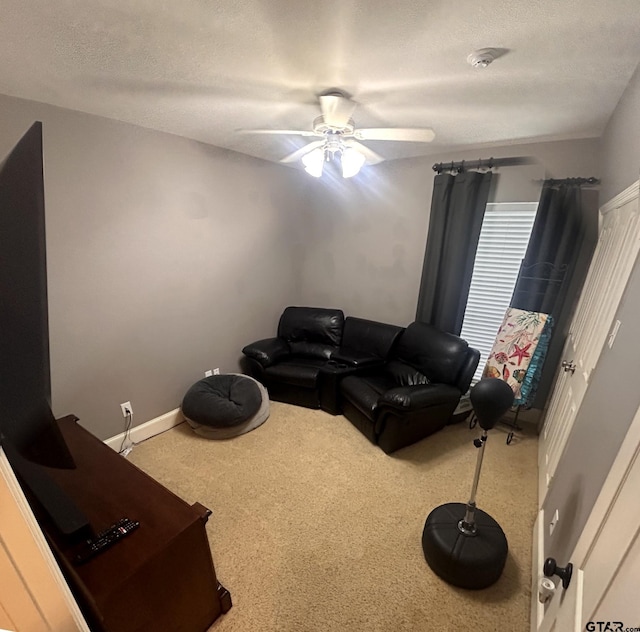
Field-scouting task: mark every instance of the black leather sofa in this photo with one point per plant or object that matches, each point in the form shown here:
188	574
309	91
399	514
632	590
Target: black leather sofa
395	385
314	348
415	392
289	364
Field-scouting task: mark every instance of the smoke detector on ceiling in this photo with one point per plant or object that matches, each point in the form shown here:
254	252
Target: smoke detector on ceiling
482	57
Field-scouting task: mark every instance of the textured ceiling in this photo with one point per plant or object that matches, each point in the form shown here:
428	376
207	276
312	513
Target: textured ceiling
203	69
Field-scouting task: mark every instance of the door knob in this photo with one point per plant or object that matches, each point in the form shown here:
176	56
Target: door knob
569	366
550	569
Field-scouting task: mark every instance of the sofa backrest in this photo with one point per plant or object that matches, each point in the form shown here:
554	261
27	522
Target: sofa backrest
313	331
369	336
442	357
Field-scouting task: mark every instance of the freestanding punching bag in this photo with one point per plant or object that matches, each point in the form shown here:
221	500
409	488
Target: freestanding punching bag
462	544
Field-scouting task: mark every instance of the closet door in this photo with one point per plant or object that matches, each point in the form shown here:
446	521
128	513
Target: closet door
592	326
603	586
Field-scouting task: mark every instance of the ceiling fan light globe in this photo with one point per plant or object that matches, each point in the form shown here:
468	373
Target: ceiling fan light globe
352	161
314	162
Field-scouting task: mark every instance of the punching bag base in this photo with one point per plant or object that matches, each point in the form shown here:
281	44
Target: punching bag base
467	561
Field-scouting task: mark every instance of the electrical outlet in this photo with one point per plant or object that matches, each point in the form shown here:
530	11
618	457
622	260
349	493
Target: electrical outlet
127	409
208	373
216	371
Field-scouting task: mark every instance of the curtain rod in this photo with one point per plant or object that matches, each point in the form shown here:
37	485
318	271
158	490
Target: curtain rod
553	182
482	163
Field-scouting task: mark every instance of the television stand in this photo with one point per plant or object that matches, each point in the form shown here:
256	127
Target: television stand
161	576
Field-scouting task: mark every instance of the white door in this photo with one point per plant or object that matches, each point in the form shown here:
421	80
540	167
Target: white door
612	263
604	585
34	596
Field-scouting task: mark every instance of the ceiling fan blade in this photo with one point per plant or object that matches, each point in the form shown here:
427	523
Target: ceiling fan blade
371	156
296	132
298	153
336	109
411	134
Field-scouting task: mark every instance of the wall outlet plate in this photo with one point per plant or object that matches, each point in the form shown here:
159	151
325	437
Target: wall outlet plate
208	373
126	406
216	371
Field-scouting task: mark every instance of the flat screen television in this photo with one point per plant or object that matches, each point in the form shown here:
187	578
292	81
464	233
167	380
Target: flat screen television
28	431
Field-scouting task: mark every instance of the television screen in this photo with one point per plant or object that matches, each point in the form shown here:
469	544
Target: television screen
25	385
28	430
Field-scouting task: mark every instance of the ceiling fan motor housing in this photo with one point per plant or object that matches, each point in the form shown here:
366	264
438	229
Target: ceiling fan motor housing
321	127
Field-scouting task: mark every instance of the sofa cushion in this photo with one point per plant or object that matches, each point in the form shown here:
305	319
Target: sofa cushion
404	374
311	324
364	392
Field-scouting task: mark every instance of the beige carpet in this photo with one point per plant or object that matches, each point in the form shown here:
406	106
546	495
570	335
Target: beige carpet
316	529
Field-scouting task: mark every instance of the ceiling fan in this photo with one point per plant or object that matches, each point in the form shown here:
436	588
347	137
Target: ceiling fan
341	138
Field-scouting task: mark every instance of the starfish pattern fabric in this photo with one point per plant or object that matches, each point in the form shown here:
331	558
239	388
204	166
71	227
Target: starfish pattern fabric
521	353
514	347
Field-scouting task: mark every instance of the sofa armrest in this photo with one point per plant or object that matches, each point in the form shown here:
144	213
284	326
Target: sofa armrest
408	398
267	351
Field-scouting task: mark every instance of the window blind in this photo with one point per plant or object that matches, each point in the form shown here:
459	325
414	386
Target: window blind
504	237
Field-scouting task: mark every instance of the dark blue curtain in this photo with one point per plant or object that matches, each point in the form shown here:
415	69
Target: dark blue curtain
556	263
457	210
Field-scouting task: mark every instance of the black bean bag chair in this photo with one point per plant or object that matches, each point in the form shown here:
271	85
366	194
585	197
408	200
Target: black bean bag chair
224	406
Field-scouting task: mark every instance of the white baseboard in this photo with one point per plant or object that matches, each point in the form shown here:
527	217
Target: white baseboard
148	429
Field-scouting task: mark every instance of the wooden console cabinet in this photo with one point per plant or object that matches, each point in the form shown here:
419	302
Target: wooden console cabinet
158	578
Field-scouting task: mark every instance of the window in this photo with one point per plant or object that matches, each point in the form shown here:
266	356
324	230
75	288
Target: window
504	236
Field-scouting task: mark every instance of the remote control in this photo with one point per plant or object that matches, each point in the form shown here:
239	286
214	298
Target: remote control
105	539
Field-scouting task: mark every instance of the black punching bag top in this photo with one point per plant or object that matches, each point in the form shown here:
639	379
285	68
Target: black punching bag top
491	398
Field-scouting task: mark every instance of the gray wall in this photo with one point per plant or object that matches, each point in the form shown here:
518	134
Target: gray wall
365	237
165	257
620	143
612	399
